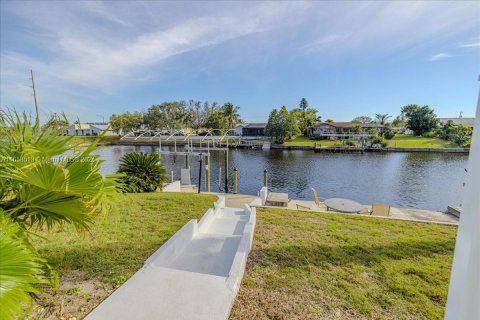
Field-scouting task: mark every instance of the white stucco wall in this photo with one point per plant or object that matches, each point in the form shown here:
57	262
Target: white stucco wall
173	187
464	292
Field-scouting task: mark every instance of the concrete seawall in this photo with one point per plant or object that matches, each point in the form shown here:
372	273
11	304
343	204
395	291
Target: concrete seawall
327	149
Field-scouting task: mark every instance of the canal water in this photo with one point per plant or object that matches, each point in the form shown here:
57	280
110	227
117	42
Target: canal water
415	180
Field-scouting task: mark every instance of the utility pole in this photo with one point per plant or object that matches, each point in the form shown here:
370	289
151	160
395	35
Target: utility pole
37	121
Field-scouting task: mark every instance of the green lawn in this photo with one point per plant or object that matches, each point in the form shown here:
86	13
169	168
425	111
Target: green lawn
399	141
326	266
93	264
306	142
403	141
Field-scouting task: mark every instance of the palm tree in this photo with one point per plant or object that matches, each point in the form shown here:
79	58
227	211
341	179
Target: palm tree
382	118
230	114
40	186
142	172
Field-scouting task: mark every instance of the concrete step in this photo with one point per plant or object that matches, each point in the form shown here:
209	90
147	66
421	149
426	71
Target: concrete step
209	254
233	213
227	226
162	293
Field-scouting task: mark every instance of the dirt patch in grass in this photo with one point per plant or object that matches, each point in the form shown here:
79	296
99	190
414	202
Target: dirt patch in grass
75	297
307	265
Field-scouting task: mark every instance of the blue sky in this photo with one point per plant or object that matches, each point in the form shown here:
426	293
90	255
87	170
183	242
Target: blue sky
92	59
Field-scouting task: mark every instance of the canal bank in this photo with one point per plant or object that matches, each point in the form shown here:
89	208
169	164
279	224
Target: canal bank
408	214
335	149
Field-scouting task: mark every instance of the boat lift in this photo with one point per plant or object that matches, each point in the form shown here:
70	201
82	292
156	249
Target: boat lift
199	146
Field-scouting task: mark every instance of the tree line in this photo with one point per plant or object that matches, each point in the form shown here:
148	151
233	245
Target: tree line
179	115
283	124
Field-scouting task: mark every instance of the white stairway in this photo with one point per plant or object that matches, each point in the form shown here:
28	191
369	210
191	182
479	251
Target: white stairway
194	275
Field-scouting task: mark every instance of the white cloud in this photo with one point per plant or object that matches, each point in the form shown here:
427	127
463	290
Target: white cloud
83	50
439	56
323	42
470	45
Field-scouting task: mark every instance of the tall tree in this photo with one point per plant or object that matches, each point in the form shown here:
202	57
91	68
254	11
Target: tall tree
307	117
362	119
420	119
398	122
126	122
382	118
281	125
215	120
167	115
303	105
231	115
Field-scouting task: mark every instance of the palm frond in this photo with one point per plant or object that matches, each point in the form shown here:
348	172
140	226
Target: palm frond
22	271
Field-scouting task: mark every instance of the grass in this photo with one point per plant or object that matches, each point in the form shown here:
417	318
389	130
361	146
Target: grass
113	250
404	141
306	142
326	266
399	141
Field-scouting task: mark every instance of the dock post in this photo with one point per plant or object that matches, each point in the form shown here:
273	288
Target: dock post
226	170
207	173
235	180
200	173
265	175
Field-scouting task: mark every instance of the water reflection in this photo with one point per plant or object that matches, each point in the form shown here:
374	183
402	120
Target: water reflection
429	181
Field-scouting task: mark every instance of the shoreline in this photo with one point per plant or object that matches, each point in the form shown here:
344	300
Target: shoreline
396	213
312	148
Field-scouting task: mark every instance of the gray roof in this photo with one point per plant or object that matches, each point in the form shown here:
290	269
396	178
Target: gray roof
255	125
464	121
81	126
102	127
351	124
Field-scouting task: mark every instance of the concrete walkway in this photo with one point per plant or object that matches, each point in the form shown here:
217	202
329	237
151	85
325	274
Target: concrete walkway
409	214
195	275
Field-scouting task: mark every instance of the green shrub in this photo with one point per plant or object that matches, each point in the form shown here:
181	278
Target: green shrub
459	139
142	172
430	134
379	140
351	143
389	134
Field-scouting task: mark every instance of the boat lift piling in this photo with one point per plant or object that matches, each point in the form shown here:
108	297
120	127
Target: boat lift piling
202	148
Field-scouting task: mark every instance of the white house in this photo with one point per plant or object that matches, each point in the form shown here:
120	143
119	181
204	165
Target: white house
469	122
342	128
238	130
87	129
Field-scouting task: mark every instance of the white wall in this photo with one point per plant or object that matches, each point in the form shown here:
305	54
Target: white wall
464	292
238	130
173	187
